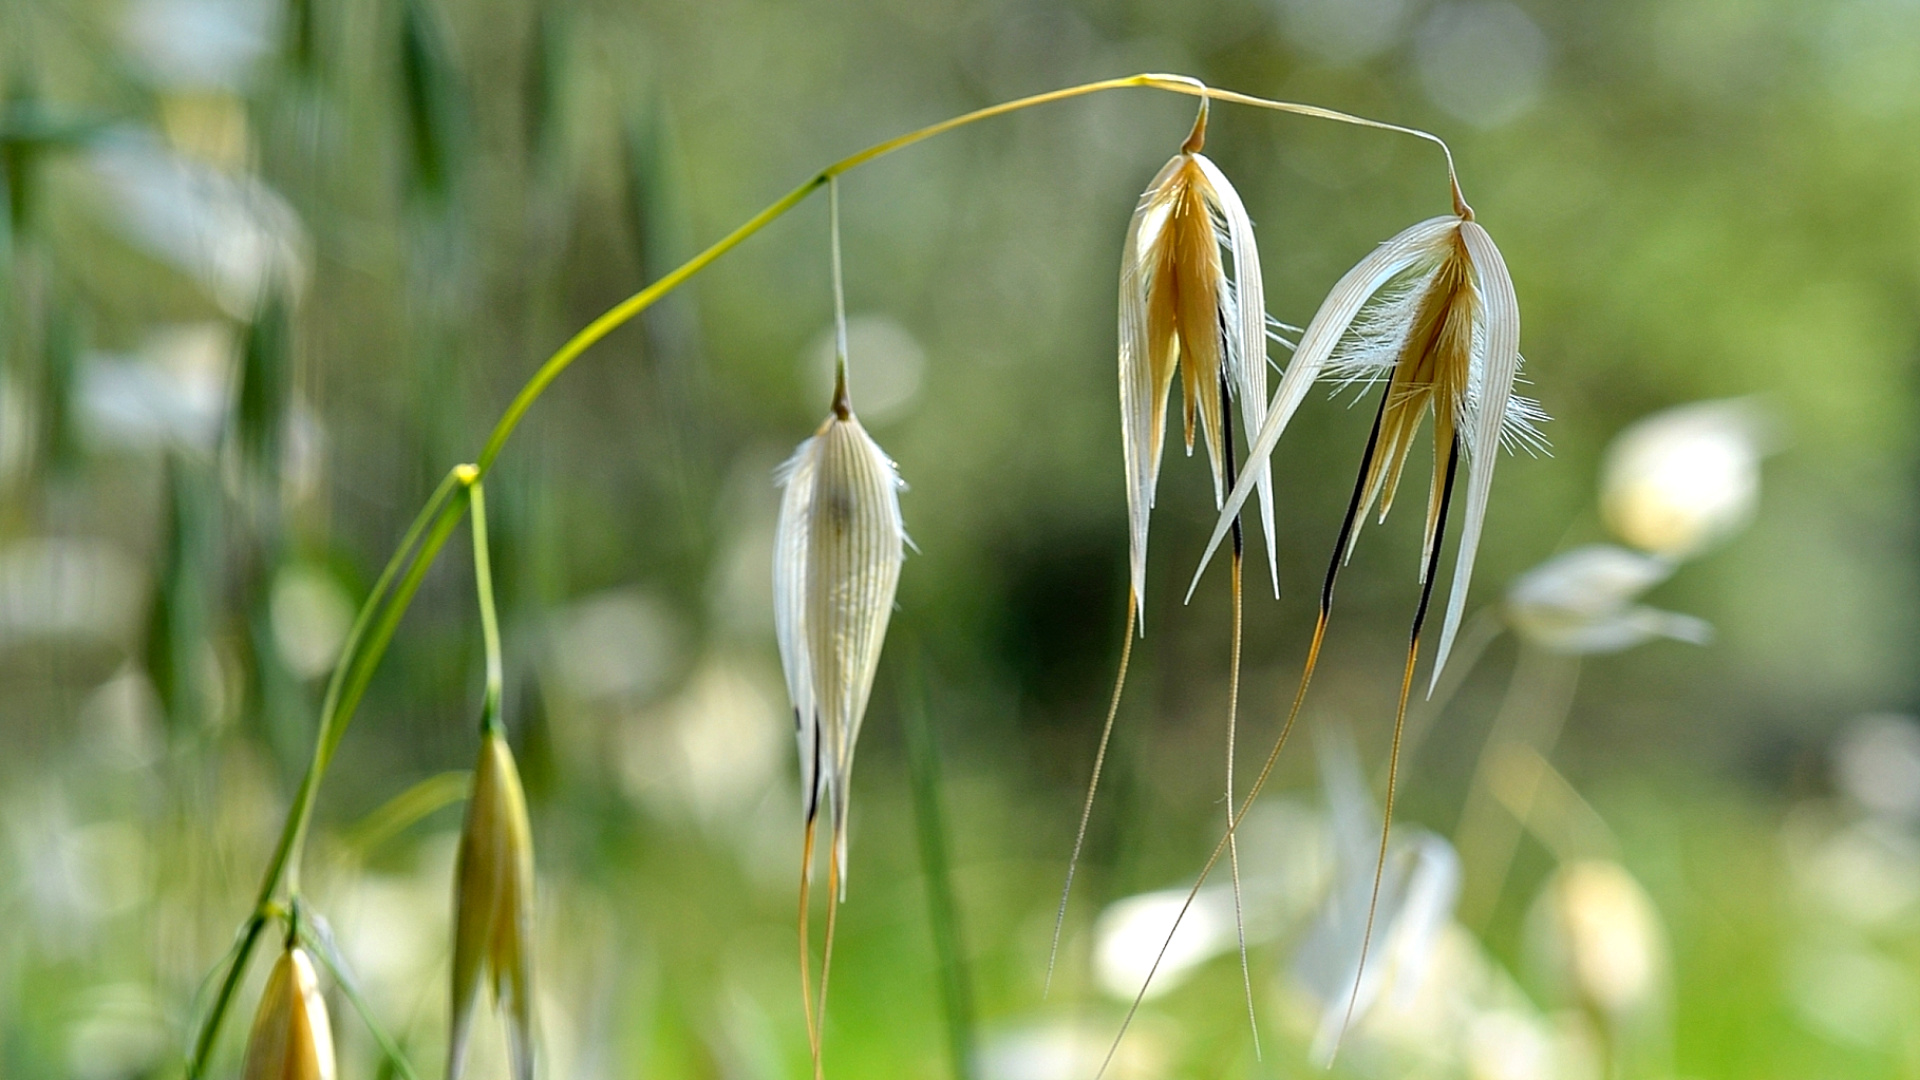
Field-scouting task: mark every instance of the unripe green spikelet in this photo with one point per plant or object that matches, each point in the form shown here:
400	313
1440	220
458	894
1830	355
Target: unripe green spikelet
493	909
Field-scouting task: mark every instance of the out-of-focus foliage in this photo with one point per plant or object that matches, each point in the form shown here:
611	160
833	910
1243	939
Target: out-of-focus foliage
270	267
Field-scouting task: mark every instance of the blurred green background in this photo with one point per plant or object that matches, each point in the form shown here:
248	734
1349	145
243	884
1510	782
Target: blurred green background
270	267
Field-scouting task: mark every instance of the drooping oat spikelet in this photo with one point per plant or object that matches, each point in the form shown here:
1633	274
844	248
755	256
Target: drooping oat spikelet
837	555
838	547
1180	311
291	1039
493	909
1447	342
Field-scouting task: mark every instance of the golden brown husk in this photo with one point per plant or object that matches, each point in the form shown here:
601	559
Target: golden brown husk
291	1039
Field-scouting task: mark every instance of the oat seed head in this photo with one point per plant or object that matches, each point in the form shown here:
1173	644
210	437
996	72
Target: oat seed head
1181	311
291	1039
838	548
493	909
1447	342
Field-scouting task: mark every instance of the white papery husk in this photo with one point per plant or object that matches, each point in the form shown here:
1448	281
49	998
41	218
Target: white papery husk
837	554
1172	278
1485	411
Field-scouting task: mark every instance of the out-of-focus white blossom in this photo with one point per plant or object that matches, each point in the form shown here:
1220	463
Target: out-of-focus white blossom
1132	931
1063	1051
615	646
68	588
174	390
65	876
119	1029
1683	479
1877	763
1582	601
714	748
230	232
1284	865
1418	888
1862	874
311	615
1601	933
199	43
1504	1044
1852	993
893	365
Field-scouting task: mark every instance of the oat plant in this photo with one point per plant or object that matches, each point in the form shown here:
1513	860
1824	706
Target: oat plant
1191	305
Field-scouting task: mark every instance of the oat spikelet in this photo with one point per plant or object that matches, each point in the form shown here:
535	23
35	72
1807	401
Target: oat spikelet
291	1039
1446	342
837	555
493	909
1180	311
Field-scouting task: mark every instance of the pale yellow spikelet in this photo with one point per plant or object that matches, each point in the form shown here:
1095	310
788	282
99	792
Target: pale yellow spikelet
837	555
1448	342
1180	311
291	1039
493	909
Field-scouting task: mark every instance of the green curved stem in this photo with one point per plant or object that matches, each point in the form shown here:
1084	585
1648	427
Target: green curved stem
343	695
380	615
489	621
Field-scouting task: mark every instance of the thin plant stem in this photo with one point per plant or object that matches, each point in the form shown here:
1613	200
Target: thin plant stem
1093	783
840	400
365	642
1539	695
943	911
489	619
1480	631
335	709
380	615
223	976
806	942
624	311
826	960
1233	839
1347	524
1237	564
401	812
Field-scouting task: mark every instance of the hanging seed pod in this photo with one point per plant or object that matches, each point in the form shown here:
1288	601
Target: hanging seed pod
1448	341
837	556
1181	311
291	1039
493	909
